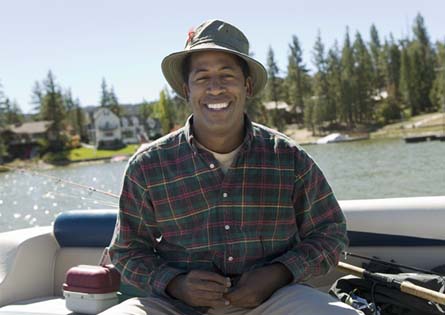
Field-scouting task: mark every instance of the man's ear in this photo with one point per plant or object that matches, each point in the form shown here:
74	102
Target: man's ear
186	91
249	87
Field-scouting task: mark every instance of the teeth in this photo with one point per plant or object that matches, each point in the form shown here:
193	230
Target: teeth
217	106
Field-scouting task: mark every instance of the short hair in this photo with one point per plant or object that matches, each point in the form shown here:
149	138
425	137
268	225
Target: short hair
186	67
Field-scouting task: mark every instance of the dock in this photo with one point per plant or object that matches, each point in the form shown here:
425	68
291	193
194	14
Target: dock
424	138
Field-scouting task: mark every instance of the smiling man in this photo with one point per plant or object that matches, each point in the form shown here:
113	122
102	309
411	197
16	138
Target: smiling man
225	216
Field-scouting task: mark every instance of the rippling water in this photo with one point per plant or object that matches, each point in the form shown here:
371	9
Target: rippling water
383	168
356	170
30	200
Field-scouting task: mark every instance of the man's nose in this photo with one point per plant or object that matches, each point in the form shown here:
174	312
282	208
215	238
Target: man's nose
215	86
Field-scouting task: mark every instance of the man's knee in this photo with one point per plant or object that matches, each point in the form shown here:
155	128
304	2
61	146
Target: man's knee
129	307
302	299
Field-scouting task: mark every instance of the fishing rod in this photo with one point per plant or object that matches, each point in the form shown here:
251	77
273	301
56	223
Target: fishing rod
98	201
403	286
61	180
387	263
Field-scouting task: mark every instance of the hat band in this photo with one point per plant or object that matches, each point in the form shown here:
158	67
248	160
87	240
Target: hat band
221	44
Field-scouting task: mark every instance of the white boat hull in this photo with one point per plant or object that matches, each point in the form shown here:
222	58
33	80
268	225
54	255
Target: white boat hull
33	262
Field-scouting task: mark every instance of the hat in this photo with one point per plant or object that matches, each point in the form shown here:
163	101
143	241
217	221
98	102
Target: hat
213	35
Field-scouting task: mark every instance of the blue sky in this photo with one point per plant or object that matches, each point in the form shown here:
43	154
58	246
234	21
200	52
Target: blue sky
124	41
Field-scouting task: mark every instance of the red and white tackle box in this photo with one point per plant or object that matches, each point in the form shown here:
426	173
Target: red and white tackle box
91	289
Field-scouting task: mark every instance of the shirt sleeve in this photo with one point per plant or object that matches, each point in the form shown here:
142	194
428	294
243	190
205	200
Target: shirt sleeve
320	222
133	248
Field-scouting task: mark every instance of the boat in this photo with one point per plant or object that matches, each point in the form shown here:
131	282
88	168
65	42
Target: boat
34	261
119	158
339	137
423	138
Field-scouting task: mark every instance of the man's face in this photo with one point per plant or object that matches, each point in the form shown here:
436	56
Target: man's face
217	91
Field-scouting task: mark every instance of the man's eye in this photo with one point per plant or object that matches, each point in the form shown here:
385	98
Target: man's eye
200	79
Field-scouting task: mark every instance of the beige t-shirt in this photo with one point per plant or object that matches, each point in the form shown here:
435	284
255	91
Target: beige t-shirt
224	159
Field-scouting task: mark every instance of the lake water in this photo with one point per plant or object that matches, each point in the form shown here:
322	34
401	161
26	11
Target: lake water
356	170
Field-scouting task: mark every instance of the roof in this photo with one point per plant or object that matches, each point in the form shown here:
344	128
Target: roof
31	127
281	105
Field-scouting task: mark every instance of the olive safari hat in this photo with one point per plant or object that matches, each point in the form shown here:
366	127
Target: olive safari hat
213	35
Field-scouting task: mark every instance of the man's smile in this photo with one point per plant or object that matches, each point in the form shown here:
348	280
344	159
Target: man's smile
217	106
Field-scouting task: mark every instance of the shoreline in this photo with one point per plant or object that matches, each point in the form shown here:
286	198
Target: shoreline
41	165
426	125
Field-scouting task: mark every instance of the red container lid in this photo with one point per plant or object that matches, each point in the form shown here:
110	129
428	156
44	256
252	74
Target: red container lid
92	279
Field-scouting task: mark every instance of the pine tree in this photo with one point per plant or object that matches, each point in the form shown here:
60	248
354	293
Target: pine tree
376	51
37	97
320	104
114	103
408	79
53	109
70	106
391	71
68	100
334	81
423	57
363	81
347	107
80	121
272	72
437	94
273	88
389	108
296	71
13	113
104	94
109	99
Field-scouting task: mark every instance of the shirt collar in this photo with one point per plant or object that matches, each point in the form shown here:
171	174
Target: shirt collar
247	142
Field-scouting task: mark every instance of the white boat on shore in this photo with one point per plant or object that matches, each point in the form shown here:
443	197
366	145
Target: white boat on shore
339	137
34	261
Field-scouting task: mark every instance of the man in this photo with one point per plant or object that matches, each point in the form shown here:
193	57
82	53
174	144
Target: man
225	216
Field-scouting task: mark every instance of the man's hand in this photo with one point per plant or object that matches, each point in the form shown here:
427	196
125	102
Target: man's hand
258	285
200	288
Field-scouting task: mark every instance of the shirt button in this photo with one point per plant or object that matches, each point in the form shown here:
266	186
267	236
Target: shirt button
225	195
212	165
227	227
230	258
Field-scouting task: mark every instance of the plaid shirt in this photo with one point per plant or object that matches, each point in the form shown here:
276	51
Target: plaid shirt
179	212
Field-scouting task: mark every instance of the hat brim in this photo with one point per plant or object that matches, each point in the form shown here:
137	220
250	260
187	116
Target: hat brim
172	68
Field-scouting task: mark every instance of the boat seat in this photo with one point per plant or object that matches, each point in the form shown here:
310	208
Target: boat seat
30	286
39	306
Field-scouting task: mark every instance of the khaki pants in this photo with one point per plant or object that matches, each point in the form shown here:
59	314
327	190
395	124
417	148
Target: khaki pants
291	300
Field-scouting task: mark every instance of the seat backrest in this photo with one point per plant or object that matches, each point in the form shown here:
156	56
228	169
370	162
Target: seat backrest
82	236
85	228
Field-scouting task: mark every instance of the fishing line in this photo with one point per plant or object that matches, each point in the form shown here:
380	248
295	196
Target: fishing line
101	202
85	197
61	180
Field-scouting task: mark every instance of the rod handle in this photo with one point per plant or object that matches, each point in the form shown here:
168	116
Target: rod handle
348	268
405	286
421	292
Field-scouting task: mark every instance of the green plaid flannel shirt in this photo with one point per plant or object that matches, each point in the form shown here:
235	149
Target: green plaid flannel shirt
179	212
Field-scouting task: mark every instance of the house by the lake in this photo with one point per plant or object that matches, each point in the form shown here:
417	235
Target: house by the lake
107	130
24	139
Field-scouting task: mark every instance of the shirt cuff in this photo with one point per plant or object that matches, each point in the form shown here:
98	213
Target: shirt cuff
162	278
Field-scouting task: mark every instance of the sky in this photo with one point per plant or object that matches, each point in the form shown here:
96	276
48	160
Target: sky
83	41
